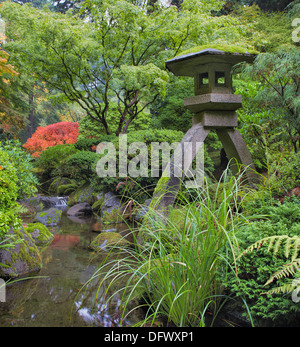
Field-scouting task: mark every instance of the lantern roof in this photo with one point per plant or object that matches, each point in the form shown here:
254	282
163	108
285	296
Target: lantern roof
186	64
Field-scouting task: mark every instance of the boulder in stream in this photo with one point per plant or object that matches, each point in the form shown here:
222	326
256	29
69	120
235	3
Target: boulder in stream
21	256
83	194
50	217
80	209
39	233
41	202
110	208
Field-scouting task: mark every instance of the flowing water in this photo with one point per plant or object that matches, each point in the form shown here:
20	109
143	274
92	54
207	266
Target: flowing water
55	298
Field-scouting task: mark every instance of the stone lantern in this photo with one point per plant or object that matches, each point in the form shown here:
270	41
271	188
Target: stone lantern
213	107
214	103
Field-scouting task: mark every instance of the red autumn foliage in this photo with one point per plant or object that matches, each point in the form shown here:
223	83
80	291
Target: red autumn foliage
52	135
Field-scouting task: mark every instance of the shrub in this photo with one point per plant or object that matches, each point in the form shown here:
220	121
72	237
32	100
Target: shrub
51	162
16	182
80	165
8	195
52	135
26	182
140	187
255	268
87	144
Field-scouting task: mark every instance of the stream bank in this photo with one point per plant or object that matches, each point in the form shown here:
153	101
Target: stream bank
52	296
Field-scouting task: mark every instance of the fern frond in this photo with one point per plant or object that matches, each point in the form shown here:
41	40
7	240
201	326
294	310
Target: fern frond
292	244
271	243
286	288
286	270
296	247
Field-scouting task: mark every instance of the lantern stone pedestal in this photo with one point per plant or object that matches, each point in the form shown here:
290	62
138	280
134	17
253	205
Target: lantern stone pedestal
213	106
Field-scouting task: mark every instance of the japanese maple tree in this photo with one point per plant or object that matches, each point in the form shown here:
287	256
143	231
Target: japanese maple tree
52	135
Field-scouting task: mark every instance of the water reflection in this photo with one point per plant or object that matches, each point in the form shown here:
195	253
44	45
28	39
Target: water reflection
57	298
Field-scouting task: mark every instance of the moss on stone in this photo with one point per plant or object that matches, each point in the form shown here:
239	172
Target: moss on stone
66	189
49	217
96	207
82	194
115	216
40	233
23	258
57	182
225	48
159	191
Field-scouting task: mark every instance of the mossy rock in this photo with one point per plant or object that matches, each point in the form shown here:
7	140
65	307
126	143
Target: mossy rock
40	233
35	202
22	258
114	217
83	194
106	240
67	189
49	217
57	182
96	207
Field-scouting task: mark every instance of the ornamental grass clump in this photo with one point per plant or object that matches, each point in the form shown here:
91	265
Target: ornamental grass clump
171	274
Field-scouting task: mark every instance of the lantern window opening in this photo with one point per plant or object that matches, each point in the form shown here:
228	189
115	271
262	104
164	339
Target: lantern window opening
203	79
220	78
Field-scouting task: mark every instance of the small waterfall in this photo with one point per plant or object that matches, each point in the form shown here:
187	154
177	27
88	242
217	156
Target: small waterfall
54	201
61	201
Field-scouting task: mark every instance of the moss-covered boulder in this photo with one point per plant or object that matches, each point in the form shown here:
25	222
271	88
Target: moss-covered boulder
57	182
108	240
35	202
114	217
50	217
39	233
21	256
67	189
83	194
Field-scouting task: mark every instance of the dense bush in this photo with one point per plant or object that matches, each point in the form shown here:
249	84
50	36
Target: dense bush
16	182
139	186
255	268
22	161
87	144
80	166
51	162
8	195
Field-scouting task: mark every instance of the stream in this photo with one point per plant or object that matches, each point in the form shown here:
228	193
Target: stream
53	296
